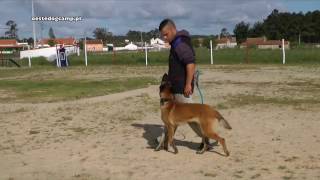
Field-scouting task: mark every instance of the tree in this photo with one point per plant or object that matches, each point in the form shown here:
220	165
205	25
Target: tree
51	42
290	26
134	35
155	33
224	32
51	34
241	31
13	30
28	40
195	42
206	42
103	34
257	30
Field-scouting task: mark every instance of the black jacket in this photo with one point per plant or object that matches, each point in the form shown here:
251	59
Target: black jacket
181	54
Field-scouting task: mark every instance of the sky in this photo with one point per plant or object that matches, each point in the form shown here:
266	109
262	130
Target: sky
203	17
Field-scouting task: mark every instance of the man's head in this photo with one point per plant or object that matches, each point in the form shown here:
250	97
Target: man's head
168	30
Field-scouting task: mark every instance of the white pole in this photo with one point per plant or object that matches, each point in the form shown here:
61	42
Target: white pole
34	29
29	56
57	56
85	50
146	49
283	53
211	51
78	50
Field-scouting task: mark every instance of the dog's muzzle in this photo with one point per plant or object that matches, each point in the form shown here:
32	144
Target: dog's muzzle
164	100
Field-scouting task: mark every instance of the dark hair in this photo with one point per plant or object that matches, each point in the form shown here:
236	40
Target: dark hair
166	22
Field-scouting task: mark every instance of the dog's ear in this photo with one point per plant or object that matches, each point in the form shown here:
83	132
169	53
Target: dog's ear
164	79
164	82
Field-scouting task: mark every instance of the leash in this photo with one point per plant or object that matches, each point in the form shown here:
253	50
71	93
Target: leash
197	75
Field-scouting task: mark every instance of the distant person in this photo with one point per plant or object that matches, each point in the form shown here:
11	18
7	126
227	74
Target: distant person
181	65
62	55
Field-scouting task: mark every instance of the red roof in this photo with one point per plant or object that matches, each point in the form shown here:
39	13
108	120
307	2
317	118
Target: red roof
94	41
273	42
9	43
263	41
65	41
224	40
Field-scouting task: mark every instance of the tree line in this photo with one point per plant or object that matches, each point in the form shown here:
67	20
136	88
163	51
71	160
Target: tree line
295	27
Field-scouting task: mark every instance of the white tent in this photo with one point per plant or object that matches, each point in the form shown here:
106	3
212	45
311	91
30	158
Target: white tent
131	47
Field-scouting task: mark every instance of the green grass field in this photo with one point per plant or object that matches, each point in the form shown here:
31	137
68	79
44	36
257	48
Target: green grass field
225	56
125	71
50	84
59	89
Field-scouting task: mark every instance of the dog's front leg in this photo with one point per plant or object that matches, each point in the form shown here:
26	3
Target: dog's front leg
163	142
204	147
171	131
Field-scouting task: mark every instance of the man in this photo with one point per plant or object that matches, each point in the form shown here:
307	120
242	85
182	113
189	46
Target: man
181	65
63	56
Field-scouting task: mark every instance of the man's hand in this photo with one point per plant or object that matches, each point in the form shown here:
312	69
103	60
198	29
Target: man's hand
190	72
188	90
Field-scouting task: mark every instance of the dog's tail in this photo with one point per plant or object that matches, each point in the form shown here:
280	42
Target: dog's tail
223	121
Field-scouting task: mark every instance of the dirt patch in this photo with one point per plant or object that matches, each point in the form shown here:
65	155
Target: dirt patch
112	137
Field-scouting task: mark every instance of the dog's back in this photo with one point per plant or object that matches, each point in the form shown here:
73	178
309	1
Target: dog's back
195	112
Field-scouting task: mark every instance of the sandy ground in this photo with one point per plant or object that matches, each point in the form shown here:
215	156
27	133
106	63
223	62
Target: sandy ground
112	137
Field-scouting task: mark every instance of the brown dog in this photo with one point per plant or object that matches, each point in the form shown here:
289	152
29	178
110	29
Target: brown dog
174	114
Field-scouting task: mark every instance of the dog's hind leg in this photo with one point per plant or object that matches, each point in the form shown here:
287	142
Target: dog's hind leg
221	140
208	131
196	128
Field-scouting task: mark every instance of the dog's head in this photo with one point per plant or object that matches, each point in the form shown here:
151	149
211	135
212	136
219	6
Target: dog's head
165	90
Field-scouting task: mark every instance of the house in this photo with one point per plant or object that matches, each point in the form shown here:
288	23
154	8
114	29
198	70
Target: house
226	42
156	41
94	45
159	43
263	43
57	41
9	46
9	43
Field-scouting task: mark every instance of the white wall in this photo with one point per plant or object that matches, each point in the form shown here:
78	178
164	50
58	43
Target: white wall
48	53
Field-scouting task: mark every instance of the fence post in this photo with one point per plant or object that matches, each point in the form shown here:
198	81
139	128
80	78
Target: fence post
146	50
85	50
211	52
283	53
29	58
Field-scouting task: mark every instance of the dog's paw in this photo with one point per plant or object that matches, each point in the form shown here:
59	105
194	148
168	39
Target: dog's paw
227	153
175	150
200	151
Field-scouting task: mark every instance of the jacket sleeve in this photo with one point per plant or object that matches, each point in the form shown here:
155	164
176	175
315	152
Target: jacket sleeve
185	53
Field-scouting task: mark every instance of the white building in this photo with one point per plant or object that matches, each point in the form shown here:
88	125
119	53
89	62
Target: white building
158	43
226	42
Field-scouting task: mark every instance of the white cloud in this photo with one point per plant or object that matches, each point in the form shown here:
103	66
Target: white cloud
199	17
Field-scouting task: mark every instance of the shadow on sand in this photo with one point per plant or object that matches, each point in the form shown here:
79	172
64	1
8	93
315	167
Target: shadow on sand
152	131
